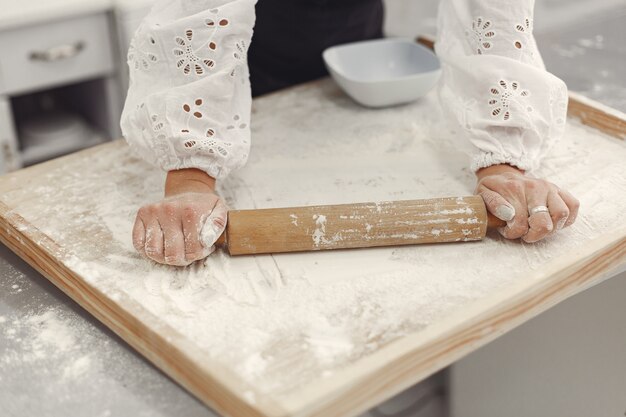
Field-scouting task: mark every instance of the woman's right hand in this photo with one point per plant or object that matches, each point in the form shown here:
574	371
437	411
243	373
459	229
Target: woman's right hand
183	227
513	196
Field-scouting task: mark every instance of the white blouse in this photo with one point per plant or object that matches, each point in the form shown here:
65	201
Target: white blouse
494	82
189	98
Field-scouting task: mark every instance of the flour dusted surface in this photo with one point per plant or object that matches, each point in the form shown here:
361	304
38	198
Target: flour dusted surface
280	321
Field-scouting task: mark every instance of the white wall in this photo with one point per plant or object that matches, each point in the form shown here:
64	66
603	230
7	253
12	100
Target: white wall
408	18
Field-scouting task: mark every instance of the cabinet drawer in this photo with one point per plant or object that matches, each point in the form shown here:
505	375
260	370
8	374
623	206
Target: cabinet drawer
9	155
53	53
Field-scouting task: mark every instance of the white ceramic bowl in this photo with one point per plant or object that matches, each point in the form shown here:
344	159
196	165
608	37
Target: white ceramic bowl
383	72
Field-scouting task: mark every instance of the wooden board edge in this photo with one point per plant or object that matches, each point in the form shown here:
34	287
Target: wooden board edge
426	40
217	392
590	112
378	379
597	115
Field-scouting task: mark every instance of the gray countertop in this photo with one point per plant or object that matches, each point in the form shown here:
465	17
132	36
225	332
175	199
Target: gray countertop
590	56
57	360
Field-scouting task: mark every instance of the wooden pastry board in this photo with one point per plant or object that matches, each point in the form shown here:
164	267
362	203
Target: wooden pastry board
64	218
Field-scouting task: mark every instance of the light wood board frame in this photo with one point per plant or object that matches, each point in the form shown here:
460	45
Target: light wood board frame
369	381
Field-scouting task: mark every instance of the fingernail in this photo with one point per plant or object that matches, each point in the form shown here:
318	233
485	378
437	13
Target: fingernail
505	212
561	223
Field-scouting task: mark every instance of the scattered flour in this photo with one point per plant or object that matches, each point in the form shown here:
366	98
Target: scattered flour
597	42
53	333
56	357
319	234
80	367
46	336
276	321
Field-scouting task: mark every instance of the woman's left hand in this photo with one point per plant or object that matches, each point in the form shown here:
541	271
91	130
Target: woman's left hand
533	208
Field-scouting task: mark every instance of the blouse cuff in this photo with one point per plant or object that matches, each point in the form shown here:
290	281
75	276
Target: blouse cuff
487	159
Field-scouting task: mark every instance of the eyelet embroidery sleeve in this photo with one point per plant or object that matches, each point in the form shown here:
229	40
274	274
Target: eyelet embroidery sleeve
494	82
189	99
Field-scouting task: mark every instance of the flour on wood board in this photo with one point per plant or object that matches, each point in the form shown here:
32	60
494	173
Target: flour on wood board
280	321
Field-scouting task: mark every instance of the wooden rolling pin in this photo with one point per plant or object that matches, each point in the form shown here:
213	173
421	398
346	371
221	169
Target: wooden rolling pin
389	223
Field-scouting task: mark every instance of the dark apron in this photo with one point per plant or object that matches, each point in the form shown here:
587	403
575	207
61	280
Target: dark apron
290	36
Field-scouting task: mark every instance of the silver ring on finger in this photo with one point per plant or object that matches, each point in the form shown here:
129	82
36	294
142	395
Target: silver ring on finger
538	209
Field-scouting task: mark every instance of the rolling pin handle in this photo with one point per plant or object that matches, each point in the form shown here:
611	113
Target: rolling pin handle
493	222
221	241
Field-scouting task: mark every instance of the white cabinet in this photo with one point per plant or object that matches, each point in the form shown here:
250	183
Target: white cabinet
568	362
9	156
54	53
66	65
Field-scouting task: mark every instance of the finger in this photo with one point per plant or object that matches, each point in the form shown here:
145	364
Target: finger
191	222
540	223
173	241
220	215
139	235
513	192
558	210
496	204
539	226
214	225
154	241
572	204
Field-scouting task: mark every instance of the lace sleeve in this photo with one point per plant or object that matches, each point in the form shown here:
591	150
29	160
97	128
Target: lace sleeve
494	82
188	103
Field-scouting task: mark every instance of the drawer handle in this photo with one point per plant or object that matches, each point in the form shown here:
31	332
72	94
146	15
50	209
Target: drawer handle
58	53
